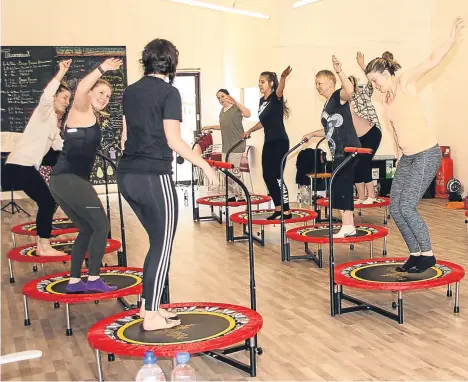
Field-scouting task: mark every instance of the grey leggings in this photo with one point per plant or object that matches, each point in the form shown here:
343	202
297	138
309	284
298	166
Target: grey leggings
81	204
413	176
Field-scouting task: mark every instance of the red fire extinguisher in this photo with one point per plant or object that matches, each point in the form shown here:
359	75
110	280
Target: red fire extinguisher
444	174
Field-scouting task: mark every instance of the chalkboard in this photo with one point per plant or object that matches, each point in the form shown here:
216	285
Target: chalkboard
27	70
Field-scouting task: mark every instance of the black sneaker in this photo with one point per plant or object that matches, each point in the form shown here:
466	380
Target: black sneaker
423	264
411	262
274	216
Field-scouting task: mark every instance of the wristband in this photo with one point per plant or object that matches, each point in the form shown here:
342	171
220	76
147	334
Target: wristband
100	69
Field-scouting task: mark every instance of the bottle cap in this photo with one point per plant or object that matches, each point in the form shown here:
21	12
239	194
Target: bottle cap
150	358
182	357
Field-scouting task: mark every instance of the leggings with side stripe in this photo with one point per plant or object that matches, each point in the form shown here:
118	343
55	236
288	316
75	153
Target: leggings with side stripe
413	176
153	198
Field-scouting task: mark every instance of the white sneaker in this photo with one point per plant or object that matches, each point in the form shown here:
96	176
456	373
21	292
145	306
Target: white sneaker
369	201
345	231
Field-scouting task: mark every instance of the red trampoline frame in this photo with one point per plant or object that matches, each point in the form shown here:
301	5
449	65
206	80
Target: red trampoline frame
15	253
30	289
456	274
293	235
384	203
19	230
205	202
237	219
100	341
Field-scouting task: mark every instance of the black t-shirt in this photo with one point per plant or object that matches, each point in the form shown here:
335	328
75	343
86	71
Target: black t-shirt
80	145
271	115
146	104
338	122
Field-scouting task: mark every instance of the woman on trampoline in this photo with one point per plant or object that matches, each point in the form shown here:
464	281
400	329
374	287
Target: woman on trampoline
338	127
152	110
271	112
41	136
69	181
367	125
230	124
418	151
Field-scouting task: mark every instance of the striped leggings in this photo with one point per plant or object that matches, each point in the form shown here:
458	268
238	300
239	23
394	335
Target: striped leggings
153	198
413	176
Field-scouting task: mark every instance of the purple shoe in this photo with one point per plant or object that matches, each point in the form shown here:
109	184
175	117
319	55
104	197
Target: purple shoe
79	287
99	286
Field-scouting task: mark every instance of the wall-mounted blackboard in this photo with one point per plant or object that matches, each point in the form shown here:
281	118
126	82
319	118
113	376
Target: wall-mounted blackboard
27	70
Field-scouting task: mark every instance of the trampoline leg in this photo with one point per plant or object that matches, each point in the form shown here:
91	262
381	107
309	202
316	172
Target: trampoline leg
371	249
139	301
384	251
338	298
35	267
400	307
449	290
69	331
42	268
253	357
320	255
10	266
27	321
456	308
13	237
385	216
99	366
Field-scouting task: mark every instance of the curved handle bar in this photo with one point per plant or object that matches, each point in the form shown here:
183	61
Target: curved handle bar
218	164
358	150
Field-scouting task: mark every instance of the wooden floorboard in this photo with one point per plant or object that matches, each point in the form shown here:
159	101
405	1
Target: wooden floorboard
301	341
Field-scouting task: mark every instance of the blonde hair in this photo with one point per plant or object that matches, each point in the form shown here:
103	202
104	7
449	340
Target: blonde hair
101	115
327	74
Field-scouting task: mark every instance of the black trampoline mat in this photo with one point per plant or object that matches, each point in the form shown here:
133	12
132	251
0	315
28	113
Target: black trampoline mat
194	327
323	232
66	224
64	247
386	273
120	280
265	215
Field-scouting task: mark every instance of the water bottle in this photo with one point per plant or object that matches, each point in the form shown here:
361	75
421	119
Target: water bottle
183	371
150	371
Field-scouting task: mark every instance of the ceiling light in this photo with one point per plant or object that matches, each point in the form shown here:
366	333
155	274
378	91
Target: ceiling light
301	3
221	8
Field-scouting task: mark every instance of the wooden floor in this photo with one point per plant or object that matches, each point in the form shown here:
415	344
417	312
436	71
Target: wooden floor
300	339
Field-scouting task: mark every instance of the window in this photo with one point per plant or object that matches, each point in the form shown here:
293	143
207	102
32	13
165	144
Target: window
251	97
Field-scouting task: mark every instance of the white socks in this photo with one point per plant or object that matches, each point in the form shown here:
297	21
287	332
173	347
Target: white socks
428	253
346	230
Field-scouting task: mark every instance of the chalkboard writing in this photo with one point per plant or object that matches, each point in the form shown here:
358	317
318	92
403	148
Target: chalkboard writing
27	70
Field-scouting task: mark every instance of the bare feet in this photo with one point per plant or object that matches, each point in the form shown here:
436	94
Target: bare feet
154	321
163	312
45	249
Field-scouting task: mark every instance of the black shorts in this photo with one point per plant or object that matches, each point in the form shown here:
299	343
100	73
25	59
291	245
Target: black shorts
343	185
370	140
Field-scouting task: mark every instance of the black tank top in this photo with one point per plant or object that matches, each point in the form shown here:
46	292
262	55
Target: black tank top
79	151
338	123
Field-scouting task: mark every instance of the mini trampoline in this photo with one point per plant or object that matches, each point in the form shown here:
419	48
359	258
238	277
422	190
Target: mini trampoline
60	226
380	274
27	253
259	217
53	288
380	202
205	327
220	201
319	234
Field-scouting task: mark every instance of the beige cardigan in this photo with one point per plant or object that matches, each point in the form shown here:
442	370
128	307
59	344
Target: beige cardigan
41	133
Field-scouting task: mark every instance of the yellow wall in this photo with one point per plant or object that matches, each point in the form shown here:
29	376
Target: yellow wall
232	50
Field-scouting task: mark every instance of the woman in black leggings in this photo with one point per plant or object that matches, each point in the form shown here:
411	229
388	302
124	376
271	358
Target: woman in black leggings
69	181
271	112
152	115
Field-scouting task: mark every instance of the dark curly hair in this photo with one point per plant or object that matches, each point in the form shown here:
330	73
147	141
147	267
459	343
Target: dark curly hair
160	57
272	77
380	64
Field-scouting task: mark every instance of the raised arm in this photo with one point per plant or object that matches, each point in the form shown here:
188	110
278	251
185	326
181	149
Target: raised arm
256	127
347	89
81	102
46	102
245	112
282	81
123	139
413	75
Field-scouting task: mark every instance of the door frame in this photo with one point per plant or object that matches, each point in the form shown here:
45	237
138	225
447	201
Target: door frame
196	75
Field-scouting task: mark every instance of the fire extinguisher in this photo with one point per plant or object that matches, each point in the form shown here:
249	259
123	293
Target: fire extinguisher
444	174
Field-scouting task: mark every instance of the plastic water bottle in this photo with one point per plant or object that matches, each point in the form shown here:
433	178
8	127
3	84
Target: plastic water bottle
150	371
183	372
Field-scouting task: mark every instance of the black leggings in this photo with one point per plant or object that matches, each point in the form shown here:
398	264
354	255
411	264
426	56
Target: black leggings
272	154
370	140
30	181
343	185
153	198
79	200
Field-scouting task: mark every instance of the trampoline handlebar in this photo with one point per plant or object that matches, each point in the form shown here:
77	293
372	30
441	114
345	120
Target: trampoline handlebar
358	150
218	164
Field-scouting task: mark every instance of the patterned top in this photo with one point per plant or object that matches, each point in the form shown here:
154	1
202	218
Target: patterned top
363	105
